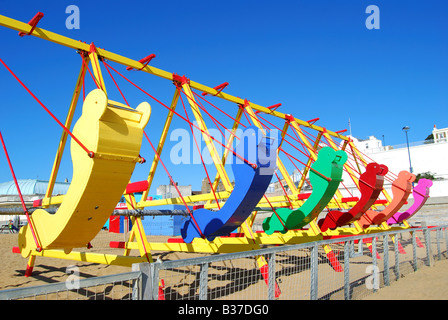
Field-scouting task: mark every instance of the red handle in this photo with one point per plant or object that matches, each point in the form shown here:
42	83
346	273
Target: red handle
218	88
144	61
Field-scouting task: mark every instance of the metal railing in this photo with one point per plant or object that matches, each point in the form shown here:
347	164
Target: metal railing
302	271
359	266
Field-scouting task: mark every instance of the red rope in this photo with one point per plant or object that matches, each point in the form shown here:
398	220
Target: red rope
280	219
39	248
117	85
90	153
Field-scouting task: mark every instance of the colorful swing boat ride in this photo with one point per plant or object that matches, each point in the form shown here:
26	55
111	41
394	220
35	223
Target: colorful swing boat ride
106	146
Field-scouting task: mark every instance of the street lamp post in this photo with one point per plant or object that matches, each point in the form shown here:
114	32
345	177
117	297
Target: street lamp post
406	129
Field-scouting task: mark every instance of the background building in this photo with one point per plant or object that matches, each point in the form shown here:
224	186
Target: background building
31	189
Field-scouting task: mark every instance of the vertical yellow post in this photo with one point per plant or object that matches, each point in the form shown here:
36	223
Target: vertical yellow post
68	123
137	232
162	140
96	68
209	142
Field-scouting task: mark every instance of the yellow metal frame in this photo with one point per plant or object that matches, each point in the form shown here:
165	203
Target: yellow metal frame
251	240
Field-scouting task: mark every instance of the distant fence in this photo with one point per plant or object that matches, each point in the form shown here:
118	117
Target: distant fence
301	271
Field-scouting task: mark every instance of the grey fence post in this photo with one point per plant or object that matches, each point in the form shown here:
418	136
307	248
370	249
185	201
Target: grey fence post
203	281
137	287
386	260
414	250
154	270
446	241
375	266
347	249
271	277
428	247
314	272
397	258
145	290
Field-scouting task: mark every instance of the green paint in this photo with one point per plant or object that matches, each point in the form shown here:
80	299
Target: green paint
329	164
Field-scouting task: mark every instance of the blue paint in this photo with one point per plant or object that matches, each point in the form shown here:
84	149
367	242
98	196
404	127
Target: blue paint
250	186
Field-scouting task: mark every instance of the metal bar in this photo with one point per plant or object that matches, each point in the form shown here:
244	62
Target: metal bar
154	270
446	241
271	276
203	281
428	247
347	249
119	212
251	253
438	236
386	274
375	272
397	259
314	271
79	45
414	251
17	293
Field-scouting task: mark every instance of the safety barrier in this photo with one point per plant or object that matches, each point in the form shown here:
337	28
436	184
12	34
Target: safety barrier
296	272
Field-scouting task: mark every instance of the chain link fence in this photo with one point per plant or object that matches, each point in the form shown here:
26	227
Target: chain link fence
355	267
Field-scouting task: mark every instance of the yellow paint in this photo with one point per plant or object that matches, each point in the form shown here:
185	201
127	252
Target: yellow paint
108	259
98	76
105	127
227	150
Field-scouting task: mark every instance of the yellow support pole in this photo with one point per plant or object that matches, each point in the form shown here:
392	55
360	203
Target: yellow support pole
311	148
96	68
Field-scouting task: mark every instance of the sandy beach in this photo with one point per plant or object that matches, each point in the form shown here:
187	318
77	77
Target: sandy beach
426	283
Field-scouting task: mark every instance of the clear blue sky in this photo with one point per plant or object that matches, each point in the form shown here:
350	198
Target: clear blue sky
317	58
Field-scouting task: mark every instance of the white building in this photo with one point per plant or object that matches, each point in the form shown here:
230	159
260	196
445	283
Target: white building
426	156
